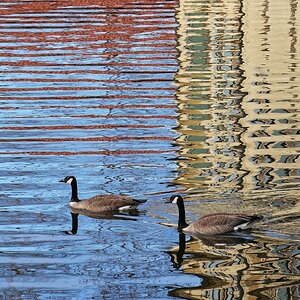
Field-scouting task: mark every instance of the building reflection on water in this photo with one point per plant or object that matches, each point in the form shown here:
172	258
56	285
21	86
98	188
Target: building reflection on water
238	116
238	268
238	85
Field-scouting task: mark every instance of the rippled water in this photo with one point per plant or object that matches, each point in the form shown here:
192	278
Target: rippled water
238	96
147	99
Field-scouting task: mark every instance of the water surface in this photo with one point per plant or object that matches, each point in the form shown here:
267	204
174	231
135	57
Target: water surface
148	99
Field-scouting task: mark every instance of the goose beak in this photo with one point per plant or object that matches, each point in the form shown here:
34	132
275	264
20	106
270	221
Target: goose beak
62	180
168	201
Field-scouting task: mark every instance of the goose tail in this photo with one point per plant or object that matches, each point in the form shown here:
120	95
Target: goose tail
256	218
139	201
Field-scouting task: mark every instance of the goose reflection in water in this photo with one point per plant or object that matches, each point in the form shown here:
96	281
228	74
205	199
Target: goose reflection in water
237	267
74	225
216	242
108	215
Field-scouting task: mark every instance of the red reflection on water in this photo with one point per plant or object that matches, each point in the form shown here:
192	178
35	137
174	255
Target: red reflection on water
105	152
68	127
90	139
121	52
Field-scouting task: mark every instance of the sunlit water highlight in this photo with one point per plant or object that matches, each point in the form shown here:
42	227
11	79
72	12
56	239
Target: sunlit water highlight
148	99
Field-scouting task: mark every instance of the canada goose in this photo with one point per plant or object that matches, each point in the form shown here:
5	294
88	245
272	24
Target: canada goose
100	203
212	224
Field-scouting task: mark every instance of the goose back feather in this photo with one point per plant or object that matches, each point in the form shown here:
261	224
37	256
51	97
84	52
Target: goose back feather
102	203
221	223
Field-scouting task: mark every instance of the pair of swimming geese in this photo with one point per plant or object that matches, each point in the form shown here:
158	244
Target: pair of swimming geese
213	224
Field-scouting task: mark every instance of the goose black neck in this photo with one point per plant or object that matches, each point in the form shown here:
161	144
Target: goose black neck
74	197
181	220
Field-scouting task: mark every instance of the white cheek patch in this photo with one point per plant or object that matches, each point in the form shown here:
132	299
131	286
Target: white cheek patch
70	180
175	200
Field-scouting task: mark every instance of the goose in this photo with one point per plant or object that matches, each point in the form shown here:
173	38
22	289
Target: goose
213	224
100	203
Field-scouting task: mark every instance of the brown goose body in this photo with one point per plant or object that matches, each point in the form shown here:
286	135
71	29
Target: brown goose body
213	224
221	223
100	203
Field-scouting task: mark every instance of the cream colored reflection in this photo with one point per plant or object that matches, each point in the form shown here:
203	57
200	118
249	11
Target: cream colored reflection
238	91
234	268
272	84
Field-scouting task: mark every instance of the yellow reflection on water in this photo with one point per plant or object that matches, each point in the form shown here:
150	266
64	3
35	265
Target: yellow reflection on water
237	268
238	89
272	85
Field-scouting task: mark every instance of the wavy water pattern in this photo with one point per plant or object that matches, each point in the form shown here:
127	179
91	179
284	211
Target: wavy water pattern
86	89
148	98
239	268
70	60
238	97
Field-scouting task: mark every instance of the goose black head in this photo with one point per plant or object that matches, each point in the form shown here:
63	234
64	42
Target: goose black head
68	179
175	199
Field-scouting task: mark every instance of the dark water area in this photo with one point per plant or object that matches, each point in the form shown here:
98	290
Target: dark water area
148	99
